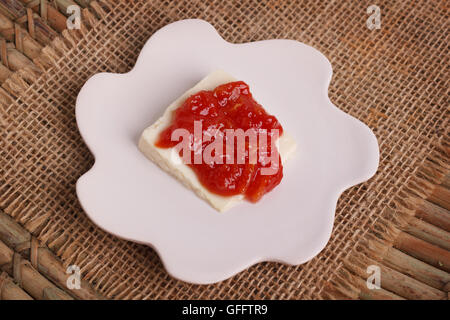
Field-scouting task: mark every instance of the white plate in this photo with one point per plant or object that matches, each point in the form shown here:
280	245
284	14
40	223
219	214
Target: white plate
129	196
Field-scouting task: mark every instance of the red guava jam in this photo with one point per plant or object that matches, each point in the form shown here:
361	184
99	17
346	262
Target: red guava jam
229	106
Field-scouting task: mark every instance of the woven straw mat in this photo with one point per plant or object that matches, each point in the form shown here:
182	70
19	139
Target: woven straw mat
395	79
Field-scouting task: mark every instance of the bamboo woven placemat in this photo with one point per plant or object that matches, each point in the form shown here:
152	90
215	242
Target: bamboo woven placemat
395	79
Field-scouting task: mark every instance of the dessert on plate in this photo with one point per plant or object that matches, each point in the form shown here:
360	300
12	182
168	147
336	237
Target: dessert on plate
219	142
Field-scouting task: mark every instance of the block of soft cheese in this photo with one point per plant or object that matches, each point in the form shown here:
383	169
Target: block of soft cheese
171	162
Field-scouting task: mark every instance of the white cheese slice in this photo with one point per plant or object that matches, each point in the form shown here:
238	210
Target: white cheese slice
170	161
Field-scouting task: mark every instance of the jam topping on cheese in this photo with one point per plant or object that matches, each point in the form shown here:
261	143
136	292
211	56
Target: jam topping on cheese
228	106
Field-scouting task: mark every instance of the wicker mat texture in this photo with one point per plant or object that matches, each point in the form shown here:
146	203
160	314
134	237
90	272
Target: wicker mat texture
395	79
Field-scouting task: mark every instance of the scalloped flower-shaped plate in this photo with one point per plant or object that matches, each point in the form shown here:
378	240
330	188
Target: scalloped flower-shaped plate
127	195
